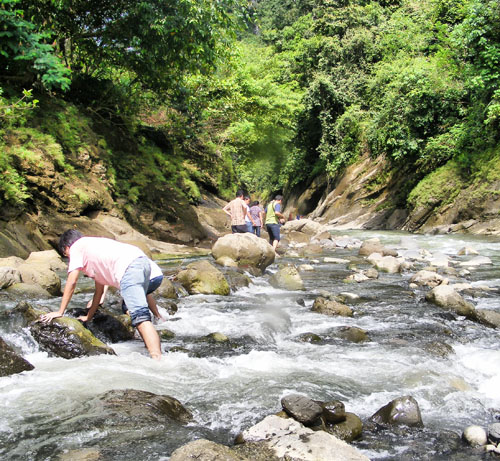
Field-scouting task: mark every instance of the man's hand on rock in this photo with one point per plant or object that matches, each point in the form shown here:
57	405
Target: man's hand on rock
47	318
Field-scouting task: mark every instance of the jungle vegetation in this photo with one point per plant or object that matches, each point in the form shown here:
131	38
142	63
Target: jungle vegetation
263	94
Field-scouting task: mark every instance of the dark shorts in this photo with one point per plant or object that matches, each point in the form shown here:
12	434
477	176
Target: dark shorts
274	232
240	229
256	230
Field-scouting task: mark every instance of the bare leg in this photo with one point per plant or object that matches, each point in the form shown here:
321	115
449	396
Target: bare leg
153	307
275	244
150	338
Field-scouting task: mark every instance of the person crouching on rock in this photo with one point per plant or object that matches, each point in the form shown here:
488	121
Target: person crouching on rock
113	263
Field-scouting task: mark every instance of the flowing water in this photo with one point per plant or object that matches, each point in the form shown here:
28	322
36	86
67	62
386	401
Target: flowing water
52	410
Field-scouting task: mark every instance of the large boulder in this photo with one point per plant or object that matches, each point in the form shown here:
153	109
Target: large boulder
288	278
11	362
291	440
64	337
400	411
50	258
202	277
41	275
446	297
166	289
371	246
247	250
488	317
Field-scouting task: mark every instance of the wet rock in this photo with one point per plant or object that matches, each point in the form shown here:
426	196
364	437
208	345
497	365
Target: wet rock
301	302
169	305
27	291
11	362
143	406
108	326
237	280
494	433
204	450
488	317
166	335
9	276
446	297
331	307
291	440
354	334
403	410
166	289
202	277
427	278
333	411
64	337
310	338
348	430
475	436
216	338
287	278
247	250
301	408
439	349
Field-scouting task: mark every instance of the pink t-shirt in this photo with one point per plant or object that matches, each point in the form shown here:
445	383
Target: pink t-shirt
102	259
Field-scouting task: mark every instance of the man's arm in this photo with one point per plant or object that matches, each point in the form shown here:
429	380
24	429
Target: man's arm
99	290
69	289
226	209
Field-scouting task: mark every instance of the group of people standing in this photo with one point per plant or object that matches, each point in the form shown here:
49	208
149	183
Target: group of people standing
250	217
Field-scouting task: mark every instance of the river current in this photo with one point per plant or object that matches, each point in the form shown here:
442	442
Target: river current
48	412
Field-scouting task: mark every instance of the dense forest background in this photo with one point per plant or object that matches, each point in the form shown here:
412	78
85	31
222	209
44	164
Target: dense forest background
163	101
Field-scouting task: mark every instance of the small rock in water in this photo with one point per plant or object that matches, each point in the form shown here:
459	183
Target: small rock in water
301	408
494	433
475	436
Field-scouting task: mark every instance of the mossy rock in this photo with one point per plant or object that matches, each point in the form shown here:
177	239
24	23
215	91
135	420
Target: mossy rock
201	277
64	337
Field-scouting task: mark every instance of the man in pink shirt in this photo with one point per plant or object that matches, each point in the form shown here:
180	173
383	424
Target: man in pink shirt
112	263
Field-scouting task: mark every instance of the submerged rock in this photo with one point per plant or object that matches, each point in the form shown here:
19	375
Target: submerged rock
11	362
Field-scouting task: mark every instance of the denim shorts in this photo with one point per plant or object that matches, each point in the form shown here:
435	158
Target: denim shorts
133	288
154	283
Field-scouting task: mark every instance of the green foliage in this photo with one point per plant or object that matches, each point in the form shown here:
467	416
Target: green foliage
24	52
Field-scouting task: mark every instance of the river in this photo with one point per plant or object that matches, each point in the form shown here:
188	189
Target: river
52	410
